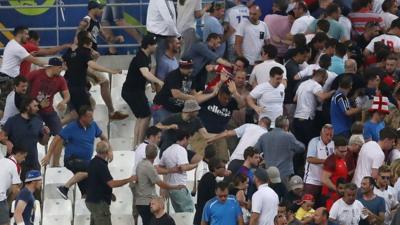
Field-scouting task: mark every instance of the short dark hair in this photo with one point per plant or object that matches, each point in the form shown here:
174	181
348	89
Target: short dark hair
222	185
18	150
370	179
239	178
224	89
249	152
266	120
340	49
152	131
181	134
387	132
213	36
84	109
340	141
300	50
209	153
350	186
281	4
19	29
25	102
346	82
299	40
387	4
395	23
320	37
323	25
271	50
332	8
275	71
83	38
357	128
19	79
33	35
341	180
214	163
244	60
331	43
320	72
325	61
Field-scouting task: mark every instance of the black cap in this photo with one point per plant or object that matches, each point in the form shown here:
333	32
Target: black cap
95	5
149	39
55	62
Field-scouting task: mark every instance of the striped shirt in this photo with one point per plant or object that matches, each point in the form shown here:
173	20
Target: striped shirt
360	19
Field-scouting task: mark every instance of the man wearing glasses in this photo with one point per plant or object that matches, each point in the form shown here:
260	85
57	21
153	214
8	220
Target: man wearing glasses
387	192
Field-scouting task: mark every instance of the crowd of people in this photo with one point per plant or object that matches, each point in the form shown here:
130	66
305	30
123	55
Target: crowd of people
295	116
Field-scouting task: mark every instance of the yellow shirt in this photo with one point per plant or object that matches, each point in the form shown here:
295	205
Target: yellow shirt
301	213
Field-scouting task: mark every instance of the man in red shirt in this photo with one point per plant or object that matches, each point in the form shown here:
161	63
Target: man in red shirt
32	46
335	167
44	84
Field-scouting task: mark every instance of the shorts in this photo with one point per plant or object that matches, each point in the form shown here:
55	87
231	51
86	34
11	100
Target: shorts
52	120
181	200
79	97
4	212
138	103
96	77
198	143
113	13
76	165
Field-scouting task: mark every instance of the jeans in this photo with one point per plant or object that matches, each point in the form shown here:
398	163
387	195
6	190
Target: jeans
181	200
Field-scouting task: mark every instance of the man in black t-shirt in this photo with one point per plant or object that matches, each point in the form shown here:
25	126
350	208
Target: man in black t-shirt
133	90
100	185
216	113
177	89
78	61
160	217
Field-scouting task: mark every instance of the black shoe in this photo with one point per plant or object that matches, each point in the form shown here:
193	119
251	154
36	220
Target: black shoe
63	191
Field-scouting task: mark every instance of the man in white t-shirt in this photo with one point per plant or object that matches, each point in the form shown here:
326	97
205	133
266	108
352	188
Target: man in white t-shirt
14	98
390	39
303	19
9	181
176	156
14	54
233	18
249	134
264	202
261	72
308	95
347	210
269	96
318	150
251	35
372	155
387	192
389	8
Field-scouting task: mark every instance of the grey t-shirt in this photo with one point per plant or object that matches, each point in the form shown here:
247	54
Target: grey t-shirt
145	187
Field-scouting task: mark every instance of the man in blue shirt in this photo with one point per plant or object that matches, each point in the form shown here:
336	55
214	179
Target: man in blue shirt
212	24
337	61
341	111
78	138
24	204
223	209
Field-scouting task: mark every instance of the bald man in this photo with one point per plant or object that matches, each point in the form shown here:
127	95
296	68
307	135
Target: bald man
251	35
321	217
160	217
350	67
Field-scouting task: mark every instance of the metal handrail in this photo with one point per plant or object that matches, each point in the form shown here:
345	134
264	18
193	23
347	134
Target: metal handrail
72	28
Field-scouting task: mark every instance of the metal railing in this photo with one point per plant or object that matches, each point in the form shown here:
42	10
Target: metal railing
60	6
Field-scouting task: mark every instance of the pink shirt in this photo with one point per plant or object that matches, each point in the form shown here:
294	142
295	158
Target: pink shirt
278	25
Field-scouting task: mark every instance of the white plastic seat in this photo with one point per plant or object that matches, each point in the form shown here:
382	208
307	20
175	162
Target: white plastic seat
55	220
117	80
122	206
183	218
122	159
121	144
57	208
54	177
95	93
81	213
122	219
122	129
103	125
120	172
100	113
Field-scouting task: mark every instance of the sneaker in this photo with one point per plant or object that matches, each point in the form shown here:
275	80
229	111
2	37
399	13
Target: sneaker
63	191
117	115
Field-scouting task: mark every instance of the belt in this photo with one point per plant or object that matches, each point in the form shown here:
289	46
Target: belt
159	36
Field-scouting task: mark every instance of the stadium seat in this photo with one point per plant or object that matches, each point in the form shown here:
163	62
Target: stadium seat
122	206
103	125
57	208
122	159
121	172
100	113
183	218
54	177
95	93
81	213
122	129
122	219
121	144
55	220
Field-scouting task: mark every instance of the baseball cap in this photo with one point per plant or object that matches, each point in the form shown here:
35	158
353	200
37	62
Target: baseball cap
33	175
307	197
55	62
274	175
149	39
94	5
185	63
295	182
191	106
261	174
357	139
